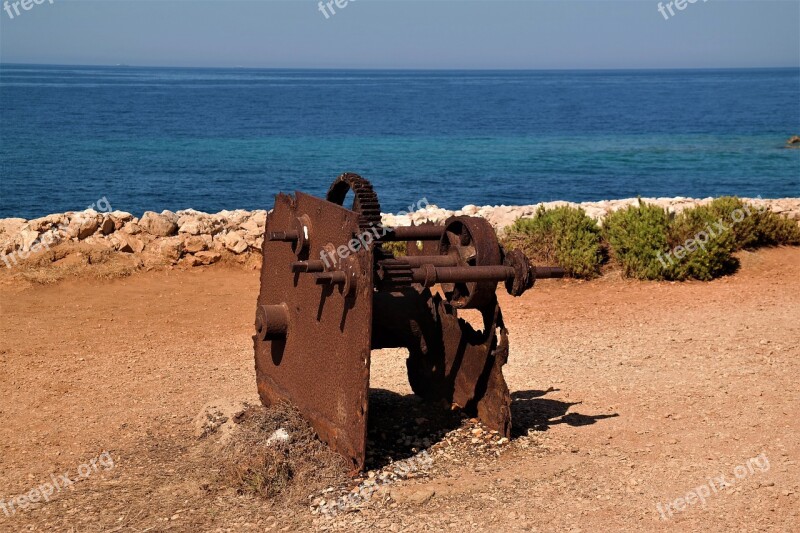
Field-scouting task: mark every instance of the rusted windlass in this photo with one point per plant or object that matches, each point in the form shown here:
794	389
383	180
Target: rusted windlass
330	294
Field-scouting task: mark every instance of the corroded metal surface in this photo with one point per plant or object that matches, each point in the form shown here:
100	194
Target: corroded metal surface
322	363
473	242
330	293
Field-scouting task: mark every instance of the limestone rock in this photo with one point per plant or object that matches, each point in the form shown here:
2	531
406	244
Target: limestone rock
28	238
218	243
169	215
194	226
9	234
252	228
168	236
171	248
45	223
200	224
260	218
203	258
88	227
235	242
120	218
98	241
195	243
232	219
129	243
10	227
83	224
54	236
131	228
107	226
160	225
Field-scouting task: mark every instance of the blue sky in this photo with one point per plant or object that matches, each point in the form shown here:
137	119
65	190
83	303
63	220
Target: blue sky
405	34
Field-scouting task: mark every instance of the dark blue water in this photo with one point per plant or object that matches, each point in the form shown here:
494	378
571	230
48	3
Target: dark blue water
212	139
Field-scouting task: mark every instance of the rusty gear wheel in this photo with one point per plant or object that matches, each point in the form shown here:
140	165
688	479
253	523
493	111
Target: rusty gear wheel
472	242
365	201
392	273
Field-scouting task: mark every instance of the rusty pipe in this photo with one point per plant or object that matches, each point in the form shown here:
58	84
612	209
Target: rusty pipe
415	261
413	233
549	272
272	322
334	277
429	275
313	265
284	236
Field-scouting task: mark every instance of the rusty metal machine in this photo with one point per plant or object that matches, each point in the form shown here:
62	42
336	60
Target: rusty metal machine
330	294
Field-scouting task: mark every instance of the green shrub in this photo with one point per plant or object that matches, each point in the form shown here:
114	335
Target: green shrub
698	249
740	217
564	236
638	238
753	227
773	229
647	242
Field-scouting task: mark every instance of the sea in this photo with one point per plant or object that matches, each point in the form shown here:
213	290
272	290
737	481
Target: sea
213	139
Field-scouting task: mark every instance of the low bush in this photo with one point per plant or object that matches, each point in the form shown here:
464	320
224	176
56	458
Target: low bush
742	219
753	227
697	251
638	239
564	236
773	229
647	242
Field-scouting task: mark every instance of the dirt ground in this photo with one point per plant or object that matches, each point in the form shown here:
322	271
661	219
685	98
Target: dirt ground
626	394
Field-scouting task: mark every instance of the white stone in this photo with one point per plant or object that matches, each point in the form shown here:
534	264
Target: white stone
279	436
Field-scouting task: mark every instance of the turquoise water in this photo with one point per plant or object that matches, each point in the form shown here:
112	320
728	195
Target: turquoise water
212	139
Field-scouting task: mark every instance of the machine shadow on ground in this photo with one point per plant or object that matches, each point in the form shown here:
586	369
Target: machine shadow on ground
529	410
402	425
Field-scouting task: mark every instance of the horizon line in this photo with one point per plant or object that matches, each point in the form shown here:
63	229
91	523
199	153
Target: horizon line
395	69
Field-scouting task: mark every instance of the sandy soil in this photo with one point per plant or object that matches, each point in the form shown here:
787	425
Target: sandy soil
626	395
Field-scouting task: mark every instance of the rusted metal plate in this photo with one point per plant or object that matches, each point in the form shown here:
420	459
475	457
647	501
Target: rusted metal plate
449	360
494	399
322	364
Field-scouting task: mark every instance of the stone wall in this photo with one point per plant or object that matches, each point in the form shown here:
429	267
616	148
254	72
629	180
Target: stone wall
188	236
194	238
502	216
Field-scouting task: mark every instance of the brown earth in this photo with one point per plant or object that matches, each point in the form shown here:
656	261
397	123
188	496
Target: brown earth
626	395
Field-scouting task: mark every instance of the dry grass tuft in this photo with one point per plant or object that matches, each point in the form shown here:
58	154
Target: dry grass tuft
290	470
